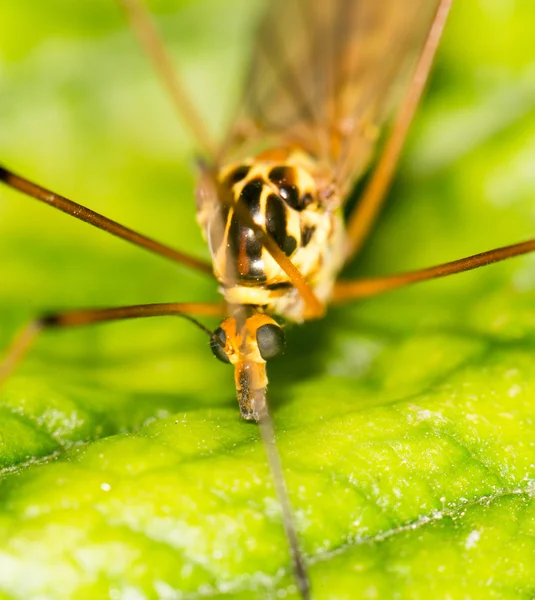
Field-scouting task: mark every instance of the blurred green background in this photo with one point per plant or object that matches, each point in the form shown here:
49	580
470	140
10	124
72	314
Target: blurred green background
406	423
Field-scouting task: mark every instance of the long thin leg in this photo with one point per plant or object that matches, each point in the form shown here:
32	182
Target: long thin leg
345	291
267	432
147	35
97	220
364	215
75	318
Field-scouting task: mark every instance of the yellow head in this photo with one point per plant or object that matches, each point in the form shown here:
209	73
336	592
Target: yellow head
248	347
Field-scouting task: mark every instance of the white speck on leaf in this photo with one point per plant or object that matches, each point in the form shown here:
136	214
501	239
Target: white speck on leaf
472	539
514	390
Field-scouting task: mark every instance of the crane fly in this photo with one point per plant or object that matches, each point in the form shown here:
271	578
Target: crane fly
325	79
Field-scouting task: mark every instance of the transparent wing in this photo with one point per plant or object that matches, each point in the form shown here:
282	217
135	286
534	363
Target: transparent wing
326	75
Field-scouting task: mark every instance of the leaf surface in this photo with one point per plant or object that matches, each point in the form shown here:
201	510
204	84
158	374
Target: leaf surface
406	423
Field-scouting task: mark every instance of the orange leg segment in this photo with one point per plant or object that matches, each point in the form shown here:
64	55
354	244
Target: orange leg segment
345	291
367	210
149	39
97	220
75	318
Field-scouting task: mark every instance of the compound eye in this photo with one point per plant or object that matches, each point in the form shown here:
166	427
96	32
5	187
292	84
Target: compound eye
218	349
271	341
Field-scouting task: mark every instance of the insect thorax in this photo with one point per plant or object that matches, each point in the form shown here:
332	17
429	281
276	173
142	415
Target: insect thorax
282	198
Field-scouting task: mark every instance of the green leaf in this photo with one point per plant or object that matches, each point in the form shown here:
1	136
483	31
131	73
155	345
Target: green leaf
406	423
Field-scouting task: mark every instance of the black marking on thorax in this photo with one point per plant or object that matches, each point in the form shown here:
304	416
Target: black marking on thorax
244	251
270	199
250	196
285	179
236	175
277	224
306	235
